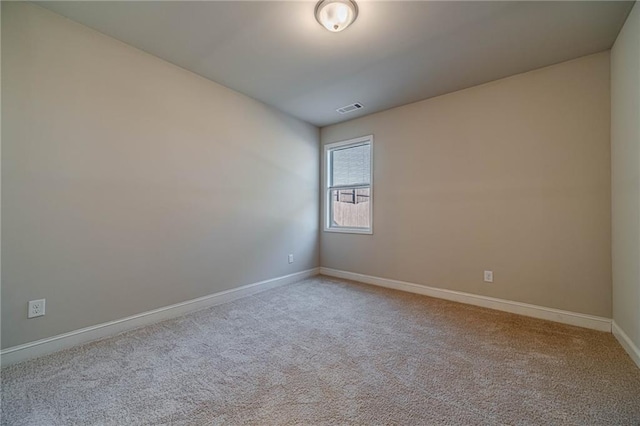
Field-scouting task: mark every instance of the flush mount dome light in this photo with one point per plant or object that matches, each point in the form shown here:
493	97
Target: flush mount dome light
336	15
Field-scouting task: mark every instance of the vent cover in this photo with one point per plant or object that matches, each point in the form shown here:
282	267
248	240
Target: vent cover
349	108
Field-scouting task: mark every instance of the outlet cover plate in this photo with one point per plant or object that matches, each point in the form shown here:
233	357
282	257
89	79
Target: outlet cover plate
488	276
36	308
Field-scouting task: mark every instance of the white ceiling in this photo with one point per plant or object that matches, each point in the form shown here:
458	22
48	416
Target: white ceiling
395	53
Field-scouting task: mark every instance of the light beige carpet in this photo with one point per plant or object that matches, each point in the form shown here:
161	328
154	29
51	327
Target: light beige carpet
326	351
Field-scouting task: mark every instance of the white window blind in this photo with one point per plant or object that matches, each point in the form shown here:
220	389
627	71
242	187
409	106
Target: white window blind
351	166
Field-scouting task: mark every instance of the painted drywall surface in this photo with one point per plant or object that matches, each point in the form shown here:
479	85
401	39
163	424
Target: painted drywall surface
625	163
511	176
0	171
129	183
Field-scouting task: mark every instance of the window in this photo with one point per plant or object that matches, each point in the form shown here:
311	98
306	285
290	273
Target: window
349	186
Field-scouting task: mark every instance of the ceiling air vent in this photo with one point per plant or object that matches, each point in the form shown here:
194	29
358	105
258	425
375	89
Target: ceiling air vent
349	108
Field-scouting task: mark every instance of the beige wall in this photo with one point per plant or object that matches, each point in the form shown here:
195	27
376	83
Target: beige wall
129	183
511	176
625	160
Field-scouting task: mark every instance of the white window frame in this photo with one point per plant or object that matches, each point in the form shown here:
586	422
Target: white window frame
328	148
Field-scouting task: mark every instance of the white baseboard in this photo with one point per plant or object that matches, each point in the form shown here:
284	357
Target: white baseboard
626	343
541	312
84	335
62	341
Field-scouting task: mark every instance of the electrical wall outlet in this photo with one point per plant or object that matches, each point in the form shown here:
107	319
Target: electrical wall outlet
36	308
290	258
488	276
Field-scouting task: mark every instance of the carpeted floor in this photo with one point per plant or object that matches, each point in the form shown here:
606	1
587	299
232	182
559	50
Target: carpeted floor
327	351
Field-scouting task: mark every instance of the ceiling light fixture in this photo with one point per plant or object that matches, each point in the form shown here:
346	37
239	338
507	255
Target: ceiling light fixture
336	15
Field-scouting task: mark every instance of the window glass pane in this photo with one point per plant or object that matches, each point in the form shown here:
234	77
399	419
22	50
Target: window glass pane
350	208
351	165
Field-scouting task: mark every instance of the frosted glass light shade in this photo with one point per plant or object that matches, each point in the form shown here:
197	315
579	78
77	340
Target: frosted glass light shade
336	15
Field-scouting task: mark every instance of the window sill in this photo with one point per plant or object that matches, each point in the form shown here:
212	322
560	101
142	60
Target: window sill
350	231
